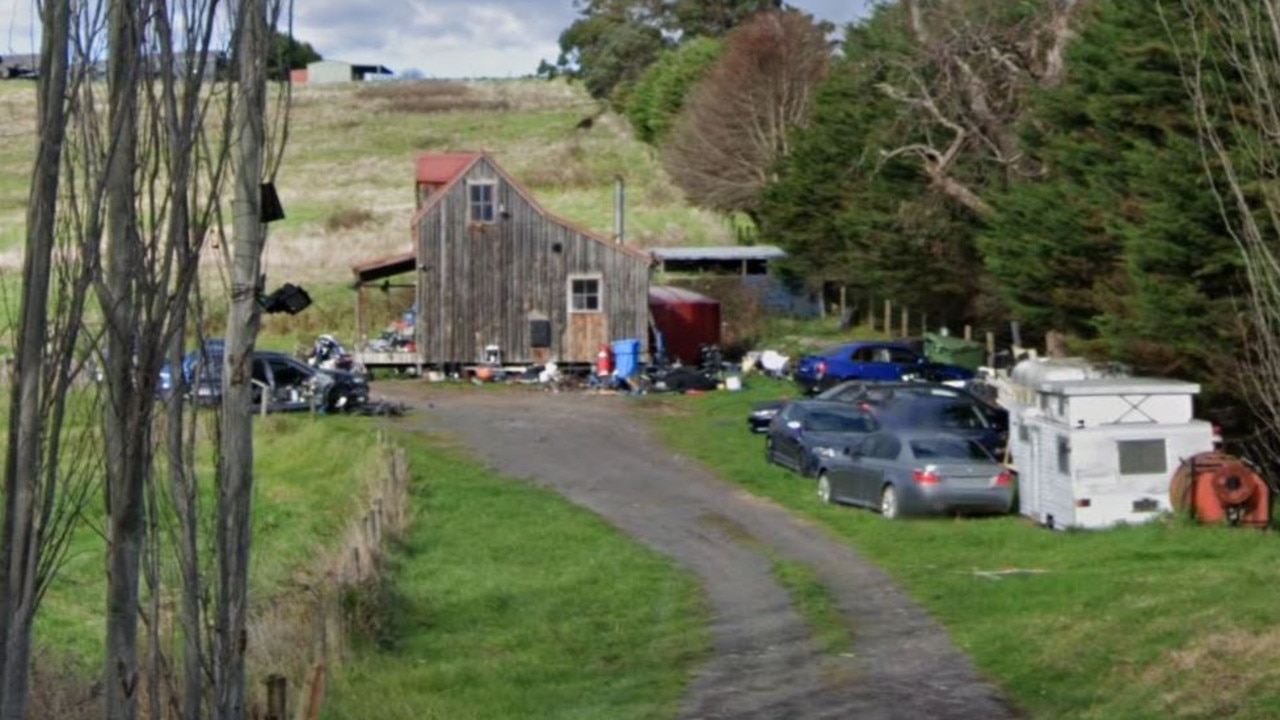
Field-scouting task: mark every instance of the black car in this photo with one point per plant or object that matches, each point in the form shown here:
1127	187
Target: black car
282	381
926	406
804	431
911	405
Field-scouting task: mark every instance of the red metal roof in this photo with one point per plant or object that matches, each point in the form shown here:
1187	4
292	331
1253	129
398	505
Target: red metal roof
671	295
441	168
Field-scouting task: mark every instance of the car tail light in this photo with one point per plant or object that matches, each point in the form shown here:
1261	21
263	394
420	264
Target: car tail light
926	477
1004	479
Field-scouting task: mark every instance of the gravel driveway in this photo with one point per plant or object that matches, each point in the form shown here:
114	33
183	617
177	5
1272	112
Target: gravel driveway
764	665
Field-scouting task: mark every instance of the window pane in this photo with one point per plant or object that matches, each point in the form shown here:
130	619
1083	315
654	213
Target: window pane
1064	455
1142	457
482	203
585	294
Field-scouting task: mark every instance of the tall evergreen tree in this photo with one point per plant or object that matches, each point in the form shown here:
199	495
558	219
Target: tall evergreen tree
1122	241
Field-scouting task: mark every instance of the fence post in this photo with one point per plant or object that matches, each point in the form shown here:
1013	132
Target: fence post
991	349
888	318
906	327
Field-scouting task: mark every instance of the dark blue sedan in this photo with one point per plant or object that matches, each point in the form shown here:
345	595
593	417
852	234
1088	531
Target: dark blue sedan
806	431
871	360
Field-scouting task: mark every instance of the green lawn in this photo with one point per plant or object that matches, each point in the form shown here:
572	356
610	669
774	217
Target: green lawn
309	479
1158	621
506	601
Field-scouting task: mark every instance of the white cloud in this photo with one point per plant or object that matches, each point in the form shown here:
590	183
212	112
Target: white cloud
442	38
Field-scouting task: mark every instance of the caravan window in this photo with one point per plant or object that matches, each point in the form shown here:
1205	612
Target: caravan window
1142	457
1064	455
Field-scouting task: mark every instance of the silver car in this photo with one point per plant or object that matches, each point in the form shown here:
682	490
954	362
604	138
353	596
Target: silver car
917	473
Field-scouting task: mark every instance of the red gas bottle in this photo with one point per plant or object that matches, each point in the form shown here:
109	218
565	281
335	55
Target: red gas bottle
604	360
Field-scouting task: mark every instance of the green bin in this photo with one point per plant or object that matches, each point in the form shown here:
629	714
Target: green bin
954	351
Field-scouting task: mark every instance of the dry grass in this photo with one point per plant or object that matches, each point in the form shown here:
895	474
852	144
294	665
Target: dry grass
348	219
1211	677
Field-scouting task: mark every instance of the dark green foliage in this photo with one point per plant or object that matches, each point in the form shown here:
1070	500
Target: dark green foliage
608	52
1123	240
609	47
657	99
288	53
714	18
849	216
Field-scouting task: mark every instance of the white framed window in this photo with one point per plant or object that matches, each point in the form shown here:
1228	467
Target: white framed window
482	202
1064	455
585	294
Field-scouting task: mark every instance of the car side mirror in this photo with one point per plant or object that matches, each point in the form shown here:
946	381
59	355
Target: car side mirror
795	425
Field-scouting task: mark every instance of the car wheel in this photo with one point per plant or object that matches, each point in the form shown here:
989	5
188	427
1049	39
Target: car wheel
824	489
889	503
805	466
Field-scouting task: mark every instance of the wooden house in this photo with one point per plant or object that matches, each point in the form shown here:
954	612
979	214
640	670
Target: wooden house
497	277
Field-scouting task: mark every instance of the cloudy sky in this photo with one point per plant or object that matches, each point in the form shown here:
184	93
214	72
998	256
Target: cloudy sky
442	38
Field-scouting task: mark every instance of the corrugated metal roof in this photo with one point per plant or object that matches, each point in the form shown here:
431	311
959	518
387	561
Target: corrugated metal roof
380	268
441	168
728	252
671	295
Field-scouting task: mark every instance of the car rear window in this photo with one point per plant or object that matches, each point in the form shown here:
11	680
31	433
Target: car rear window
948	449
837	421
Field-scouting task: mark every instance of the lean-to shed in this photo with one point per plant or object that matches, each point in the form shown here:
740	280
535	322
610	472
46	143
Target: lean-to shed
497	276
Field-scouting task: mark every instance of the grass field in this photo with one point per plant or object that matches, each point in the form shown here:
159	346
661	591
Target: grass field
1168	620
506	601
309	477
346	178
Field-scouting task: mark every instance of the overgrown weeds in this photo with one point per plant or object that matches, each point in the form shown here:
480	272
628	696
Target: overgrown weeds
348	219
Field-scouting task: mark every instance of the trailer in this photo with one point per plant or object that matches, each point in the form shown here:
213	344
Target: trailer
1097	451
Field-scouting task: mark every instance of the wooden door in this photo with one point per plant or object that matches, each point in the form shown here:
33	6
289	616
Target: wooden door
586	332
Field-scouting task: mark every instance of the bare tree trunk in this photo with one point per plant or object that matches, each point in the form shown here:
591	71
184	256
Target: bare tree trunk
125	431
236	491
22	544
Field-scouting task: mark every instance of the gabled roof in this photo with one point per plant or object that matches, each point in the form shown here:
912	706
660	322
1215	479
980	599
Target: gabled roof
442	168
444	162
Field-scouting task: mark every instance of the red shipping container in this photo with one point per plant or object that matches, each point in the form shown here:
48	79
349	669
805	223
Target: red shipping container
687	321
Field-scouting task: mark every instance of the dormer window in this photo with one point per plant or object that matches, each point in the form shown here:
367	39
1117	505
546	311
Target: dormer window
482	201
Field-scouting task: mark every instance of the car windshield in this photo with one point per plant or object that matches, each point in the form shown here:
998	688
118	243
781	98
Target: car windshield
838	421
943	448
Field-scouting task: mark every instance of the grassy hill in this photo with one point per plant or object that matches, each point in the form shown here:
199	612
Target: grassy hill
347	174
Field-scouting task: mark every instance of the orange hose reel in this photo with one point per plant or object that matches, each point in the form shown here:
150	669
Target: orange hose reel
1216	487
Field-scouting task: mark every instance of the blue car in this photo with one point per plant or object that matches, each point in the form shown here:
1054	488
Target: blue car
871	360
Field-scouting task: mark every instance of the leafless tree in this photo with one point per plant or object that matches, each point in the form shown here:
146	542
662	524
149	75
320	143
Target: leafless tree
45	479
235	490
965	84
739	119
133	186
1231	69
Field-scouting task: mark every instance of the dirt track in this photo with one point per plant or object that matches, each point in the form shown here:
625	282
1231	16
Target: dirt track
901	664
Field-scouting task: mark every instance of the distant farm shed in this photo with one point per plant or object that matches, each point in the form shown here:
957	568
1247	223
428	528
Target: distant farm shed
336	71
686	321
495	271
